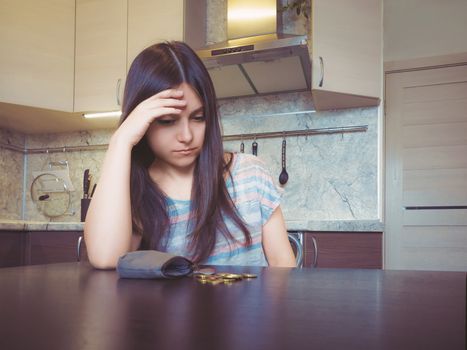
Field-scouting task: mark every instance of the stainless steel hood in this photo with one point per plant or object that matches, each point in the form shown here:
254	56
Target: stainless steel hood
258	64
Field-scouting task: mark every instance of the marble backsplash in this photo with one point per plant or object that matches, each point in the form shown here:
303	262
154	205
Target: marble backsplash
331	177
11	179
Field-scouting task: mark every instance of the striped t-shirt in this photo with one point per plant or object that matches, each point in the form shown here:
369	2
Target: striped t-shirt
255	197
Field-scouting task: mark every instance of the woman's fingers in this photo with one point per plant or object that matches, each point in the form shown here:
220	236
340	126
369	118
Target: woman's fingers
168	94
167	102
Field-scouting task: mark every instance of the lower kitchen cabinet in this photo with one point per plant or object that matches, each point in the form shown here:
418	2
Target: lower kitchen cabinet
343	249
39	247
47	247
11	248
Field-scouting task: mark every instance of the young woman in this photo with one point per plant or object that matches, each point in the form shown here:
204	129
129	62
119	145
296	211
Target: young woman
166	183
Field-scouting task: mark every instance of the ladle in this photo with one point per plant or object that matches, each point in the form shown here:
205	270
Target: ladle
284	176
254	148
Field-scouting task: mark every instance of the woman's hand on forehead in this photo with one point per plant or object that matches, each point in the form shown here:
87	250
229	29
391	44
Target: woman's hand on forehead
166	102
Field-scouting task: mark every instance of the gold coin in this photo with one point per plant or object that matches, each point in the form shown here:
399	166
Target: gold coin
201	277
233	276
214	282
249	275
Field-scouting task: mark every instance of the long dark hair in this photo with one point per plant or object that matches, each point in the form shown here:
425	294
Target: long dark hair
157	68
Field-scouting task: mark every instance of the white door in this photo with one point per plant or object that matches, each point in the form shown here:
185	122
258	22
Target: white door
426	169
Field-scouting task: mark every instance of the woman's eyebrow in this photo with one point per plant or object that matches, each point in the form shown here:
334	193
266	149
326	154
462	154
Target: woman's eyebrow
197	110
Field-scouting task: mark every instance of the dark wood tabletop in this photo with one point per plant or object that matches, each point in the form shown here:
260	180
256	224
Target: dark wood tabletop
71	306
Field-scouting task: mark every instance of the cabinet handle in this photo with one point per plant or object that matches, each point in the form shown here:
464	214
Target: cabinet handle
119	82
78	248
315	248
321	64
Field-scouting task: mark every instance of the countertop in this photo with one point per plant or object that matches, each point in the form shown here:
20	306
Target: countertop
292	225
21	225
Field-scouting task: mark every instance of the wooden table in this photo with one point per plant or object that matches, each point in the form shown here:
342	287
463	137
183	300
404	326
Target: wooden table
71	306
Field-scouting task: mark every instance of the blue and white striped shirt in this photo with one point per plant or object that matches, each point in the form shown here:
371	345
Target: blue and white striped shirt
255	196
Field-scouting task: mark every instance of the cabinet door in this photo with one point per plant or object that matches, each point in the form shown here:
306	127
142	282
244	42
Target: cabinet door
46	247
37	54
344	249
11	248
101	27
152	21
347	53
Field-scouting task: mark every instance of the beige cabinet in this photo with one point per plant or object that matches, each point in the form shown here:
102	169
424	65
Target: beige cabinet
346	53
40	66
109	34
151	21
37	53
100	61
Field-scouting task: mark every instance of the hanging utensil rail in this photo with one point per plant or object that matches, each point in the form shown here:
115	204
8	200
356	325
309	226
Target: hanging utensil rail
234	137
306	132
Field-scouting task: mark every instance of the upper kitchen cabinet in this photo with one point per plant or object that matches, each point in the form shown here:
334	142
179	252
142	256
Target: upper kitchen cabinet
100	66
109	35
347	53
151	21
37	54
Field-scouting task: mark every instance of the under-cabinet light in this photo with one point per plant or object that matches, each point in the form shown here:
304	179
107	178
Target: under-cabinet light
103	114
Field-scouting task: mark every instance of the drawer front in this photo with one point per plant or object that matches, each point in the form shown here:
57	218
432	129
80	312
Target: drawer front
46	247
344	249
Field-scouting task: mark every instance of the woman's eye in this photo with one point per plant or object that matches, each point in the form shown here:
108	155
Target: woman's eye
165	121
199	118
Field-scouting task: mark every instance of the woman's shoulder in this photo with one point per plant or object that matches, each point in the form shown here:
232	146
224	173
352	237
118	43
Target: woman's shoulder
246	163
246	158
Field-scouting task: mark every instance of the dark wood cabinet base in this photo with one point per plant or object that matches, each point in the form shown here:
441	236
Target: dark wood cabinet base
344	249
39	247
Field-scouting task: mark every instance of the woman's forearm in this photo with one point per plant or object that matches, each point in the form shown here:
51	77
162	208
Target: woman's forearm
108	227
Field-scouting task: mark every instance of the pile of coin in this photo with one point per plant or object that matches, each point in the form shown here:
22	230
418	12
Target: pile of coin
222	277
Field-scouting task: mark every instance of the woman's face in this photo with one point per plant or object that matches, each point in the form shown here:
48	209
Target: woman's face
177	140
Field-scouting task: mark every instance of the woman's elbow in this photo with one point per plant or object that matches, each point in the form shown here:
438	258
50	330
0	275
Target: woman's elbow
102	263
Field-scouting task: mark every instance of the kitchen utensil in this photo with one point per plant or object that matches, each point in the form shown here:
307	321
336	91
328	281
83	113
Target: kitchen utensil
284	176
85	183
93	189
254	148
50	195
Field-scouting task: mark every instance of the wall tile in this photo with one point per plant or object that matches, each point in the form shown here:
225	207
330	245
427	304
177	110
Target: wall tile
11	178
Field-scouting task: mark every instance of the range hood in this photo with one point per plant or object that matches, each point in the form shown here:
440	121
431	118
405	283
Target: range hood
264	63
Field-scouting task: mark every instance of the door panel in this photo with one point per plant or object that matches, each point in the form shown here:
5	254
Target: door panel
426	169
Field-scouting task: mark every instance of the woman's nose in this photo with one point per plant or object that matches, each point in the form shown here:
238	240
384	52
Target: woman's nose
185	134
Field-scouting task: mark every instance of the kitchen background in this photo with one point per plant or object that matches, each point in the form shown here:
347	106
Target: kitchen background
341	187
331	177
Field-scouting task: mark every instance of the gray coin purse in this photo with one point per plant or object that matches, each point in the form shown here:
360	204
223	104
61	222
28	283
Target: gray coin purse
149	264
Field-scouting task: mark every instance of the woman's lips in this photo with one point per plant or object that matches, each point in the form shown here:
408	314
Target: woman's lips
186	151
